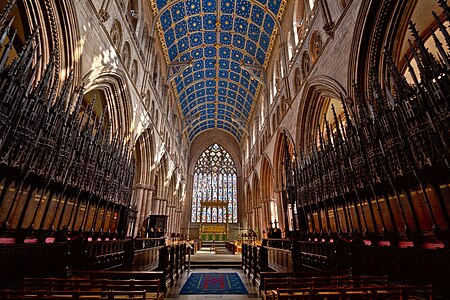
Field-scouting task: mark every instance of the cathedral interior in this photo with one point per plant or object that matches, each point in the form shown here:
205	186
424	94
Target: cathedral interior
306	136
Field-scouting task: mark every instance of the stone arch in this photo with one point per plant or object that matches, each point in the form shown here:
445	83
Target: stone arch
311	109
116	34
202	142
118	98
126	55
67	42
279	179
57	31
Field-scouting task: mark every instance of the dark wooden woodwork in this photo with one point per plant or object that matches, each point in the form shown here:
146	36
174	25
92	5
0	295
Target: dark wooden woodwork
33	260
125	275
151	287
61	295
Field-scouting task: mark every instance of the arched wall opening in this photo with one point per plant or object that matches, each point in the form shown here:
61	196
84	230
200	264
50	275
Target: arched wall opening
198	146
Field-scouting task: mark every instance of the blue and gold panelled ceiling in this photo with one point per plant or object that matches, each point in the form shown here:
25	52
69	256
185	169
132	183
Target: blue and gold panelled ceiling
215	49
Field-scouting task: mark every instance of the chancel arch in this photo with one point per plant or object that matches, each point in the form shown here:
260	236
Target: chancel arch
202	143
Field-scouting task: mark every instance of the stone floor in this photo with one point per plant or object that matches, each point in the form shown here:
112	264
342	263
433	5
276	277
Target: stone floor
206	255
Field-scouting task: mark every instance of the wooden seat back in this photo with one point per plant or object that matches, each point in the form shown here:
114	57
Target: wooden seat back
151	286
373	292
137	275
75	295
271	285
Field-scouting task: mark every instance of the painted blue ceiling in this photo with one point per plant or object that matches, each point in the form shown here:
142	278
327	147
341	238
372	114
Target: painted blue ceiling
205	43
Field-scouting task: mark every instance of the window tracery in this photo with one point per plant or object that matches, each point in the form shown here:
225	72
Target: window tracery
215	187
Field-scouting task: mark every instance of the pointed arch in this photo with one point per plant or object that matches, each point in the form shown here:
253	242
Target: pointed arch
314	105
214	198
279	178
267	179
112	82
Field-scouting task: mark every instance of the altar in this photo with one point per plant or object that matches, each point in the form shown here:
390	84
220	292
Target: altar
213	232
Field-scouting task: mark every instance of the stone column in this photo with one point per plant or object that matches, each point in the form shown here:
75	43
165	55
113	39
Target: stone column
143	200
171	219
148	207
266	219
138	191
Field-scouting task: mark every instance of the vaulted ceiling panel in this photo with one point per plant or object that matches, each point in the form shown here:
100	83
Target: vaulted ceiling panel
215	49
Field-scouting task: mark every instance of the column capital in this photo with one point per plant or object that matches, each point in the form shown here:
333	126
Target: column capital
144	186
160	198
266	200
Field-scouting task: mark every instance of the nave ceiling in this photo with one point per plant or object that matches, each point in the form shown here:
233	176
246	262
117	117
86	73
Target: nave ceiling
217	52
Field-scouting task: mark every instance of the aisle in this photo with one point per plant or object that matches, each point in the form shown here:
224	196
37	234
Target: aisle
173	292
219	261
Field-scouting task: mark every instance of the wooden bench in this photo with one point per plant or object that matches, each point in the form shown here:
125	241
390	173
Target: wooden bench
306	274
338	281
272	284
76	295
151	287
370	293
138	275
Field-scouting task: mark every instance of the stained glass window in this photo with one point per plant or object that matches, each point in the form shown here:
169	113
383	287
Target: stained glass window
214	198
